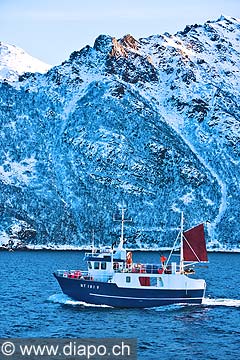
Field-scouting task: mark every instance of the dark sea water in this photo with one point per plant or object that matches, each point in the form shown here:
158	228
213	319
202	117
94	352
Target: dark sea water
32	305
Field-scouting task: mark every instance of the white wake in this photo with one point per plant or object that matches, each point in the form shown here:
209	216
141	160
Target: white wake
64	299
221	302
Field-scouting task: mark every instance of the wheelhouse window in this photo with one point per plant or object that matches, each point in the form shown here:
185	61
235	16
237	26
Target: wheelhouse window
160	282
115	266
144	280
153	281
89	264
96	265
103	266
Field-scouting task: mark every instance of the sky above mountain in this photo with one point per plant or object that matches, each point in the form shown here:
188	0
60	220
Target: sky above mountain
51	30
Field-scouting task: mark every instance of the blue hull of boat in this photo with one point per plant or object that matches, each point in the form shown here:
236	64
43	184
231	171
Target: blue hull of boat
102	293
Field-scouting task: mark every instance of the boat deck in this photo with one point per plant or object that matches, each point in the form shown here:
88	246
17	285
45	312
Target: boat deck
134	268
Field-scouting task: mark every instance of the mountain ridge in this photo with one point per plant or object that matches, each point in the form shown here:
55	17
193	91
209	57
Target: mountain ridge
153	121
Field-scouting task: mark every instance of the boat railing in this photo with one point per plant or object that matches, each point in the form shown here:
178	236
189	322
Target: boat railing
90	254
74	274
150	268
84	275
95	251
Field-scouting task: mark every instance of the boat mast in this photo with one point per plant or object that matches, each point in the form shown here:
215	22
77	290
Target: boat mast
122	229
92	242
181	250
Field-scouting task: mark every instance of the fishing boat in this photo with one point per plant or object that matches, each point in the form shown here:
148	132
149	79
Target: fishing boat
114	279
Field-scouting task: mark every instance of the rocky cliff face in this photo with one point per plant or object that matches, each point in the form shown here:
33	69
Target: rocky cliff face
153	122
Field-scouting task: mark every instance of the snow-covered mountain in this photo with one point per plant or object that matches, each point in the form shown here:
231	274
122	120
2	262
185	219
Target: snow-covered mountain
15	61
153	122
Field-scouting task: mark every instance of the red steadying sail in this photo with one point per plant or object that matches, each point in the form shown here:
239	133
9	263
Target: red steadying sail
194	245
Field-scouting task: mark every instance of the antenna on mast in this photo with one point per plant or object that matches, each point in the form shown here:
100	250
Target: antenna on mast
123	220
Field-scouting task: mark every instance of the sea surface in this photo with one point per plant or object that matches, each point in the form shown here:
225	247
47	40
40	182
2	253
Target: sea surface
32	305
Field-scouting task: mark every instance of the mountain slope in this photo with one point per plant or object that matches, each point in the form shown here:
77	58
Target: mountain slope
15	61
153	122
